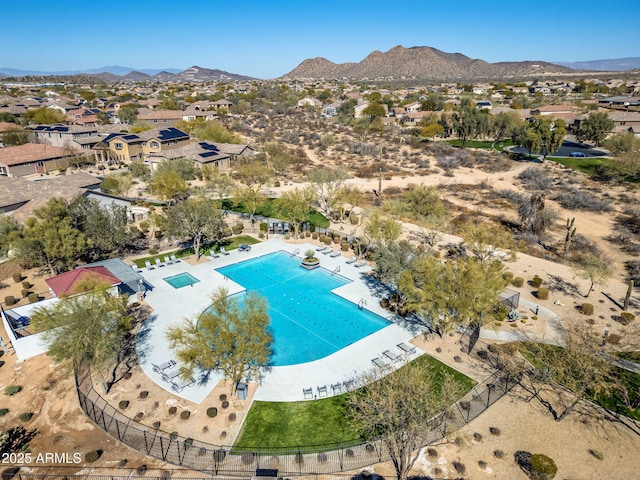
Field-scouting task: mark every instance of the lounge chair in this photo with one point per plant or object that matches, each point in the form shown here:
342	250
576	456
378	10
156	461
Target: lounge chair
223	251
167	260
159	262
179	384
307	393
347	385
170	375
394	357
336	388
335	254
174	259
322	391
213	254
352	260
148	265
359	264
408	349
327	251
380	362
163	366
322	249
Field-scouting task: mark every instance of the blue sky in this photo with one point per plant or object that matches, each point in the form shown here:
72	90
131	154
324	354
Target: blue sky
268	38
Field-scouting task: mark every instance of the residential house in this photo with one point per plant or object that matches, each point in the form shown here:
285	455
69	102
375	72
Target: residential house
32	158
625	122
413	107
308	101
225	104
484	105
83	116
77	138
200	153
164	118
135	147
552	110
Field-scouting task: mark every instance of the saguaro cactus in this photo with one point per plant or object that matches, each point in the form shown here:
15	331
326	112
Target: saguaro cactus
571	232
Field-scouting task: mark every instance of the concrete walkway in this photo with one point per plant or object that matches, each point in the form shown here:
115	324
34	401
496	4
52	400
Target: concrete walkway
287	383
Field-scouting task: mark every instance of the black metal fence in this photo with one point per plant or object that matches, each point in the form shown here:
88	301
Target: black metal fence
230	461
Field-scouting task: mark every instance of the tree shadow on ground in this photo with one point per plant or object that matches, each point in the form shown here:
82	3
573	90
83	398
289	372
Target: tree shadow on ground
559	284
18	438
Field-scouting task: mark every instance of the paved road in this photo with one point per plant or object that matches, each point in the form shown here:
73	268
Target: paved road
567	147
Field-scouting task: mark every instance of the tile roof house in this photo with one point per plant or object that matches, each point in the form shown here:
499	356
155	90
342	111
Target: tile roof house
67	136
67	283
166	118
136	147
200	153
32	158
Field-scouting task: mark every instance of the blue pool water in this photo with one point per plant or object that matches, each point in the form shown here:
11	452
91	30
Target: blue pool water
308	322
181	280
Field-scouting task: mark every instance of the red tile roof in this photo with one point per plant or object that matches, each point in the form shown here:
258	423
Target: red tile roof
63	284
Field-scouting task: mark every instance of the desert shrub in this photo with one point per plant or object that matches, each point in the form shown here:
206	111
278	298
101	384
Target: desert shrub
587	308
465	405
232	417
542	467
535	179
223	434
33	297
143	394
482	464
173	435
225	404
3	411
536	281
247	458
142	469
349	453
614	339
92	456
188	442
542	293
26	284
508	276
9	300
626	318
459	467
512	196
212	412
432	452
25	416
173	410
477	437
17	277
494	431
518	282
12	389
185	414
223	397
25	292
139	416
155	425
498	453
299	458
122	463
237	230
582	200
123	404
322	457
597	453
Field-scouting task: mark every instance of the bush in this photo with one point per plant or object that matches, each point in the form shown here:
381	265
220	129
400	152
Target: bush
173	410
247	458
12	389
322	457
508	276
587	308
223	397
237	230
225	404
92	456
459	467
232	417
212	412
542	293
494	431
155	425
142	469
25	417
3	411
626	318
123	404
185	414
143	394
33	298
536	281
25	292
518	282
17	277
26	285
477	437
498	453
542	467
597	453
9	300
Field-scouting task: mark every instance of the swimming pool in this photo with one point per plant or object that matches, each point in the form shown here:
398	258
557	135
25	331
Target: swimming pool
181	280
308	322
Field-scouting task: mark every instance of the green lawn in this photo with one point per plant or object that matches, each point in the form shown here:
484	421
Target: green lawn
317	422
487	145
588	165
228	243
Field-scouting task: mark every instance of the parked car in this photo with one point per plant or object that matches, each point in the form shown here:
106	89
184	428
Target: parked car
578	154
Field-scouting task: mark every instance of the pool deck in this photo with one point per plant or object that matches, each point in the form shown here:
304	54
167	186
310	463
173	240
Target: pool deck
286	383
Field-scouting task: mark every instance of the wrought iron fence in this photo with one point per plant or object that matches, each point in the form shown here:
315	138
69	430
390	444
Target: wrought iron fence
227	460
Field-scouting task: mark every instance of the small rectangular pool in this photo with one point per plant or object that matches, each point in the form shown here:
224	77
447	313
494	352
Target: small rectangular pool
181	280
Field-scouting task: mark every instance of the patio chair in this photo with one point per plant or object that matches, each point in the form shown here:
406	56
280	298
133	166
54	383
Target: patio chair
322	249
163	366
380	362
359	264
167	260
307	393
179	384
170	375
223	251
336	388
174	259
347	385
213	254
322	391
335	254
408	349
159	262
394	357
352	260
147	264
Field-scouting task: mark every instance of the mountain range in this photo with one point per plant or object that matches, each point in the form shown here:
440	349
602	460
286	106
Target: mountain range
399	63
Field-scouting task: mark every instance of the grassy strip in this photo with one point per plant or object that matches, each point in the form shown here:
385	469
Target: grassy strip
269	210
228	243
318	422
486	145
589	165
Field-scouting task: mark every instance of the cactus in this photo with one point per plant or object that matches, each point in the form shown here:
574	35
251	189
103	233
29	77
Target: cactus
628	296
513	315
571	232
